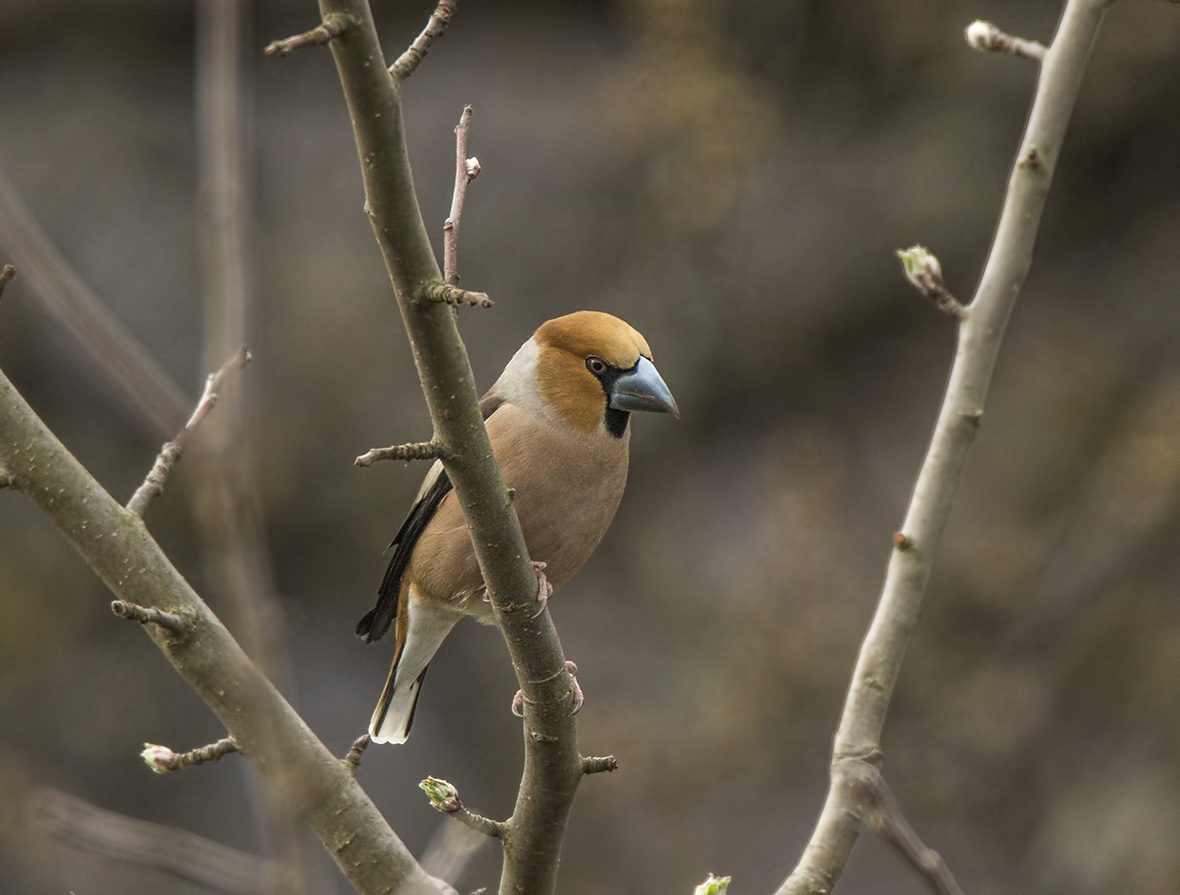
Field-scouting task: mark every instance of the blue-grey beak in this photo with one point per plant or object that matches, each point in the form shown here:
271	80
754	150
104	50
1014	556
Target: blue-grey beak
643	389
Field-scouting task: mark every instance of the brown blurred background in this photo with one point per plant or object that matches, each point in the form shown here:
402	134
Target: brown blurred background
733	179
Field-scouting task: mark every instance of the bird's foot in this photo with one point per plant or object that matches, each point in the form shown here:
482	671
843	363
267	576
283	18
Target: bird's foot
544	588
579	697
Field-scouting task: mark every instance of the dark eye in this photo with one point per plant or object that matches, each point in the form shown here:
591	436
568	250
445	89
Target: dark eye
596	365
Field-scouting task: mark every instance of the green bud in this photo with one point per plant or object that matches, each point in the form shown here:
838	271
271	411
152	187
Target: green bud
443	796
714	885
921	267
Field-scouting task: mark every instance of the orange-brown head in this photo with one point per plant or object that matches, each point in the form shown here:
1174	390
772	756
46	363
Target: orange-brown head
589	370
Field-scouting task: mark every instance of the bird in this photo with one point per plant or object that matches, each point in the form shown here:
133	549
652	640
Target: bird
558	422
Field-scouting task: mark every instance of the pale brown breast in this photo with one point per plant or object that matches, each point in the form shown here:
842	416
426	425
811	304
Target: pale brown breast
568	487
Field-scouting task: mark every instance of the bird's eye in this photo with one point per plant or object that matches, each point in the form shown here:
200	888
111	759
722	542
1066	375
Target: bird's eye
596	365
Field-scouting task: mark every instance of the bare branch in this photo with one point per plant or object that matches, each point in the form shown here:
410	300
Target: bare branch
987	38
176	852
466	170
444	293
445	798
153	485
332	26
415	450
6	275
886	819
163	760
234	549
435	26
123	362
293	762
980	334
451	850
553	765
176	625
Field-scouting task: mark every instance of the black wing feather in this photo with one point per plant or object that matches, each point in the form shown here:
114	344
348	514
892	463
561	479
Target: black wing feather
378	621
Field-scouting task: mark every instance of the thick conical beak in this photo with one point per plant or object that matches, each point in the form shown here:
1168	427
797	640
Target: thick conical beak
643	389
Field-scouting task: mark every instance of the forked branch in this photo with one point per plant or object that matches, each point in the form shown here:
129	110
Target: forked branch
981	330
553	766
119	549
153	485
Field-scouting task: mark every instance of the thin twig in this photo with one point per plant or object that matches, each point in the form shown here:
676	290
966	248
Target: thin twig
153	485
234	549
987	38
981	331
332	26
886	819
163	760
355	751
599	764
179	853
444	797
6	275
405	64
177	625
451	850
466	170
445	293
137	378
415	450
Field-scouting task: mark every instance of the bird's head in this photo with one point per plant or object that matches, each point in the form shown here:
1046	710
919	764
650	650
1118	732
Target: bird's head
590	370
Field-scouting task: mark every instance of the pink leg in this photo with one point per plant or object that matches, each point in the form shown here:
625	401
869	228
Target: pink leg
575	687
544	588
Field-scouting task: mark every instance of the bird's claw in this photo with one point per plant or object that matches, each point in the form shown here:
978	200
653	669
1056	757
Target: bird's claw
544	588
579	697
575	688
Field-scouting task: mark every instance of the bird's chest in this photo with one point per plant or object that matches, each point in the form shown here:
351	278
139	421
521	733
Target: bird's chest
567	489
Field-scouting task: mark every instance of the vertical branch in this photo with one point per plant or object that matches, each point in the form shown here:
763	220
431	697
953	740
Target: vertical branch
981	331
226	506
533	840
466	170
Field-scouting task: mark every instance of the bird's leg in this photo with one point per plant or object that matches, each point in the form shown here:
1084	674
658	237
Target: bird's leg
579	697
544	588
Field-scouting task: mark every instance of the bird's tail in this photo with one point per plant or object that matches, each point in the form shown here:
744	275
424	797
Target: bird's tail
427	628
395	712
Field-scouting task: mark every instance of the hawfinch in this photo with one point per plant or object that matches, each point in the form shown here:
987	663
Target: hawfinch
557	420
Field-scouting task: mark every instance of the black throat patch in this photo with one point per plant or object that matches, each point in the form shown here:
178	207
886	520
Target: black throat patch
615	420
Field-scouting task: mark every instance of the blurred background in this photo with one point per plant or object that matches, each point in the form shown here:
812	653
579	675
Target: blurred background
732	178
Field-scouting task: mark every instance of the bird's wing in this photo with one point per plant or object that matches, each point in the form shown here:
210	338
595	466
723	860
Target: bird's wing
379	619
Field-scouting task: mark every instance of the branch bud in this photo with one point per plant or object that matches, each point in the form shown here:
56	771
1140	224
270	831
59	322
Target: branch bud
443	795
160	759
921	267
981	35
714	885
987	38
